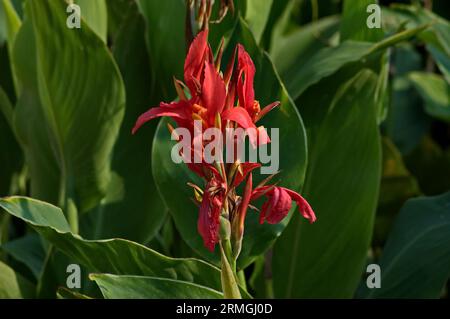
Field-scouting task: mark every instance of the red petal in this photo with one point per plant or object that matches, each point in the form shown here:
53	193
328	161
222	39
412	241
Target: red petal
280	206
241	117
213	92
247	167
175	110
303	206
246	67
195	60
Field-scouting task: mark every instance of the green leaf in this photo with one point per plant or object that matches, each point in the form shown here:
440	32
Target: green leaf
328	60
65	293
299	45
256	14
326	259
427	161
435	91
95	13
397	185
171	178
134	209
139	287
165	42
114	256
13	285
354	22
406	122
29	251
12	25
63	168
416	259
12	159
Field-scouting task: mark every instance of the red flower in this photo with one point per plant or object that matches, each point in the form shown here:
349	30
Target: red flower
209	93
224	101
279	202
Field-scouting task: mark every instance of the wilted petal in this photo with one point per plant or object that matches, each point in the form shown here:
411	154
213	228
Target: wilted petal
209	217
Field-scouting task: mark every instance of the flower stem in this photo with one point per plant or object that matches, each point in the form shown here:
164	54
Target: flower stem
228	273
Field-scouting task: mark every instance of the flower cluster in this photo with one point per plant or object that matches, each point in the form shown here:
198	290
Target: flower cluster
224	100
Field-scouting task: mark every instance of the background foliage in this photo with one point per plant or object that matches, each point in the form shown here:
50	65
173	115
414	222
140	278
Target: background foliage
365	137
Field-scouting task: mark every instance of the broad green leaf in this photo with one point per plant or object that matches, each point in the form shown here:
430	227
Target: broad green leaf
11	27
296	47
326	259
435	91
171	178
330	59
117	12
13	285
28	250
11	158
139	287
256	14
134	210
416	258
114	256
165	22
355	17
64	168
95	13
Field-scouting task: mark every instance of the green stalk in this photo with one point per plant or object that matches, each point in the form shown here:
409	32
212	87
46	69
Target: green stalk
228	272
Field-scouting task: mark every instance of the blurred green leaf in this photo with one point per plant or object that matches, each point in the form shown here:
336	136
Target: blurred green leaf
12	24
132	208
117	12
11	160
296	48
354	22
397	185
431	166
435	91
28	250
171	178
165	22
256	14
63	167
416	259
95	13
406	121
330	59
139	287
13	285
65	293
326	259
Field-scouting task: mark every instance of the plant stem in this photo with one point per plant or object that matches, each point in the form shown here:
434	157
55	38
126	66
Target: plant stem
228	272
